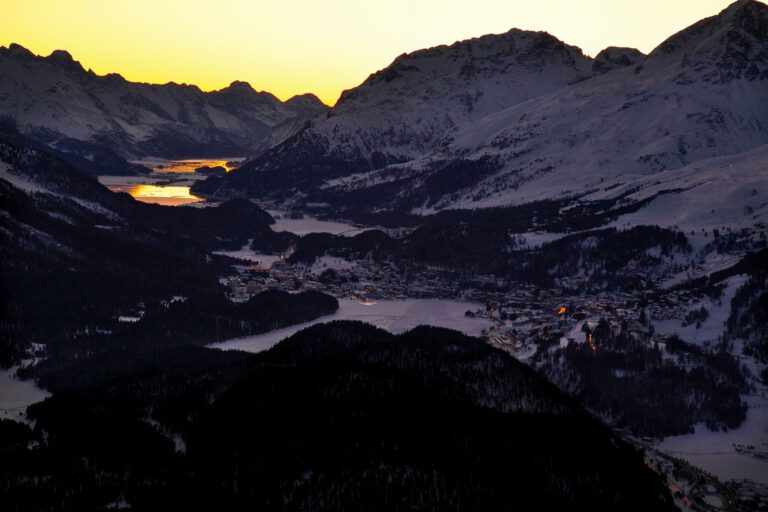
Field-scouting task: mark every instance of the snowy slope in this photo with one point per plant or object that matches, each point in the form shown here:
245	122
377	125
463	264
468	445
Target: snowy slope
684	104
422	99
715	193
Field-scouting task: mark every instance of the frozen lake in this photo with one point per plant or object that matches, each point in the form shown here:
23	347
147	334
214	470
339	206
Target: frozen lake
395	316
16	395
169	182
309	224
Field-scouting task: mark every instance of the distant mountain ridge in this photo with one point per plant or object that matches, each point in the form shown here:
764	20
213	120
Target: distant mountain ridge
519	117
54	100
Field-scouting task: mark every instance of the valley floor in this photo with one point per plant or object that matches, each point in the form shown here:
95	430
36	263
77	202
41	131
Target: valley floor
738	454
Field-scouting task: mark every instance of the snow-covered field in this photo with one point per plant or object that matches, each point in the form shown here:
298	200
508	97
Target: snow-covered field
396	316
16	395
312	225
535	239
713	327
248	254
715	451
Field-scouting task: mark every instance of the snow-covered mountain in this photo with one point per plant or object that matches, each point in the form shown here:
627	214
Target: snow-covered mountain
614	57
54	100
421	101
519	117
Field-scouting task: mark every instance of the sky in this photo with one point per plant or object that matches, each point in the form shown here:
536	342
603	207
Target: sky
291	47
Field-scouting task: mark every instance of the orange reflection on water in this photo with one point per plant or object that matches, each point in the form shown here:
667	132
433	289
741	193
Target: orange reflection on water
166	195
191	165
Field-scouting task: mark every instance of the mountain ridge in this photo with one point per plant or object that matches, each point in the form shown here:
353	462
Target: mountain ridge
586	125
54	99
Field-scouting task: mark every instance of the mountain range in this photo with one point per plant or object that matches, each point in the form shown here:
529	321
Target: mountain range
520	117
53	100
603	219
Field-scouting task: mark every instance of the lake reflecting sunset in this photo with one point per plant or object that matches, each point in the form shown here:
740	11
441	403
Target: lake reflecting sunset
159	194
169	182
188	165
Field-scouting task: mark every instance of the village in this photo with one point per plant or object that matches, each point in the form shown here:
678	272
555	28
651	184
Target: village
518	316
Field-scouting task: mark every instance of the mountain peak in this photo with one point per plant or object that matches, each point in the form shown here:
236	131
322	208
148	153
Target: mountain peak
306	105
749	16
480	60
64	59
742	5
615	57
526	45
244	91
16	51
241	86
306	98
728	46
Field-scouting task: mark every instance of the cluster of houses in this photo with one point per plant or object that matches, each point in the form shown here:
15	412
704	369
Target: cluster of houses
519	317
340	278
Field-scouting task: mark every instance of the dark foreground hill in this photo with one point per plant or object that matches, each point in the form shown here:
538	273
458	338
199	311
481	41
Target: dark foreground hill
341	416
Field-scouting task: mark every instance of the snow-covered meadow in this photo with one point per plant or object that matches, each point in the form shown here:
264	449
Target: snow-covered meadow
715	452
247	254
709	330
309	224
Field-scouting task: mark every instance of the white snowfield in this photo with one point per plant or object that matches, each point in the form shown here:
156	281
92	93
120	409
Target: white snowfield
247	254
716	452
16	395
310	224
395	316
730	191
711	329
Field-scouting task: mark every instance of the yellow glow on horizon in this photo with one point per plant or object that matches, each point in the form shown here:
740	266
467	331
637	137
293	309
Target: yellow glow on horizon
301	46
188	166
